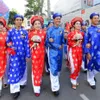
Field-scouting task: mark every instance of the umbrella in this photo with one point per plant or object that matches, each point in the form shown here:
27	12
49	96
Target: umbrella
3	7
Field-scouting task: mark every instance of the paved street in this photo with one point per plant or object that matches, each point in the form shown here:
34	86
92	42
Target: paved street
83	92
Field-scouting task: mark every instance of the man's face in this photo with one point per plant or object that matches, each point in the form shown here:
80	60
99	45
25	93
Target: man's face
18	22
95	20
84	27
50	25
57	21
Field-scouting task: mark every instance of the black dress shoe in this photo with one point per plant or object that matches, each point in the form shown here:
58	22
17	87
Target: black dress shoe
5	86
0	94
93	87
85	71
48	73
16	95
22	86
56	93
95	79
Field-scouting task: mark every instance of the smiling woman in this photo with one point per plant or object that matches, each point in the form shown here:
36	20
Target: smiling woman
19	5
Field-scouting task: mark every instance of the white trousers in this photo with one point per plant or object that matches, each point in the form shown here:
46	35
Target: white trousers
90	77
16	87
47	52
36	89
24	79
74	82
0	84
55	85
83	66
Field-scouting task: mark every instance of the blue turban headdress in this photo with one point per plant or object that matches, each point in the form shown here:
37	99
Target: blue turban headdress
20	16
57	15
94	14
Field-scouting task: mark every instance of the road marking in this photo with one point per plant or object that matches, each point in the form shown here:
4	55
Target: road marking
83	96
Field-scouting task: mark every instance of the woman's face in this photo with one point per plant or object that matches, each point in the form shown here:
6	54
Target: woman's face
77	25
1	26
37	25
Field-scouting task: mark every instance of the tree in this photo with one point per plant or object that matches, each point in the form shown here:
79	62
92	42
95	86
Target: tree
11	16
34	7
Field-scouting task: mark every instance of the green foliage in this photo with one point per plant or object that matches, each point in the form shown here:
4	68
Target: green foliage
11	17
33	7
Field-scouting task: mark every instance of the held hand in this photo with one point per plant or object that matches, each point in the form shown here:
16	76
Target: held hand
88	56
34	45
28	59
74	38
65	36
9	44
51	40
11	51
61	47
78	42
88	45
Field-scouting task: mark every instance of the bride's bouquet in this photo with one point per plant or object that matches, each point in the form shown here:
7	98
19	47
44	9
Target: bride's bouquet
78	38
36	39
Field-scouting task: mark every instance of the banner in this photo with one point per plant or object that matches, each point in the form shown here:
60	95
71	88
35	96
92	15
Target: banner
66	6
95	2
4	10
